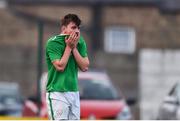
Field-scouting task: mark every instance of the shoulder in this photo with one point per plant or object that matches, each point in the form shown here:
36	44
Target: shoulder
81	40
51	39
54	41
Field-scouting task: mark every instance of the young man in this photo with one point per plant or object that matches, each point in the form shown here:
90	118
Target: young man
64	54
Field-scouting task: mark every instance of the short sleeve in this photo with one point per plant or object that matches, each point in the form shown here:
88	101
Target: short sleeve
82	47
54	50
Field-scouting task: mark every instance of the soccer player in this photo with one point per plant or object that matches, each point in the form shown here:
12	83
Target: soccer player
65	53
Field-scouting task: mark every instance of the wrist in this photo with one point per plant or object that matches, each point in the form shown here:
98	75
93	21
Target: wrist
74	49
68	48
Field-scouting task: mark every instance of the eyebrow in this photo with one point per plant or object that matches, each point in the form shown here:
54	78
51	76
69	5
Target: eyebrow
74	26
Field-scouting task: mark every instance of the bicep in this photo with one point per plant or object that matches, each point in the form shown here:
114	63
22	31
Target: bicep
83	49
54	51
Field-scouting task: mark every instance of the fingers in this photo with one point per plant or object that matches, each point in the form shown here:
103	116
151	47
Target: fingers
76	38
69	41
72	35
73	39
70	38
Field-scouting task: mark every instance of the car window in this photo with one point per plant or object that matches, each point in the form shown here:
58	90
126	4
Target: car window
173	91
92	89
178	91
9	96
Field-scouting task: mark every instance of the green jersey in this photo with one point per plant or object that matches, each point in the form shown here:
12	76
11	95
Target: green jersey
68	79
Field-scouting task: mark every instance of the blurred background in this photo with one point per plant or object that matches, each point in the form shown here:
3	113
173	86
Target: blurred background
136	42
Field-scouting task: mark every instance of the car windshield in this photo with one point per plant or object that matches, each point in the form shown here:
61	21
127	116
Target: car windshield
97	90
9	96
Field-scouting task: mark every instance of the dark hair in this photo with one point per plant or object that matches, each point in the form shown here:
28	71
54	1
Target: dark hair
70	18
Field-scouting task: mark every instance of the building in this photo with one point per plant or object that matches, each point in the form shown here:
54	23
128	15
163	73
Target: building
144	23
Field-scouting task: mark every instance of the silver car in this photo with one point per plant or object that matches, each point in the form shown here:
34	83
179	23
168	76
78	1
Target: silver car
170	107
11	100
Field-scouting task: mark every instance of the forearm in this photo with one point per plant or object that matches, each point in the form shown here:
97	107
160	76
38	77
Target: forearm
83	63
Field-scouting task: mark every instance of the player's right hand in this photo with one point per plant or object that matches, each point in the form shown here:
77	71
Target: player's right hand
71	40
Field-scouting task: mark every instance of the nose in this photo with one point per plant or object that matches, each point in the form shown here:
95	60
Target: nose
77	31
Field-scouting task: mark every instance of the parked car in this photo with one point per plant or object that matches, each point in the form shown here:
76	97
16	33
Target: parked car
11	101
170	107
98	98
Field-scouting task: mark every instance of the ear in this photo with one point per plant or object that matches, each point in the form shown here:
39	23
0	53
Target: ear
63	28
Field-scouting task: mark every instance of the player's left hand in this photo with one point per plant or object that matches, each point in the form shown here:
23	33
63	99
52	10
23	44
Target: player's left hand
76	38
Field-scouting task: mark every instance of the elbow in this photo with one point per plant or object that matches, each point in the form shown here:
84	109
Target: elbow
60	69
59	66
85	68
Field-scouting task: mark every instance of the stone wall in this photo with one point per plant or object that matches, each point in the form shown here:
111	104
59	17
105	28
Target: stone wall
19	38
